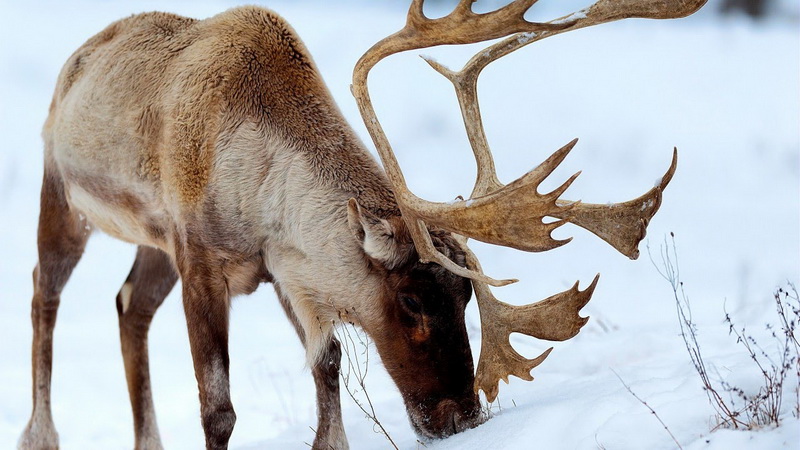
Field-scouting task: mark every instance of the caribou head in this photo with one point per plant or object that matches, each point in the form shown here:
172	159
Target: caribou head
420	331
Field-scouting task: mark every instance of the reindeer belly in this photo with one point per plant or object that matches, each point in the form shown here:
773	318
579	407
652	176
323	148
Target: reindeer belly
116	210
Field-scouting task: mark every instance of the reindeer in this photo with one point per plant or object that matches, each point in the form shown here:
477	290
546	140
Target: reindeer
215	147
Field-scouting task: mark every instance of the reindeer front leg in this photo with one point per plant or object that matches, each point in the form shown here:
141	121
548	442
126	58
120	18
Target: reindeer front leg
330	429
206	303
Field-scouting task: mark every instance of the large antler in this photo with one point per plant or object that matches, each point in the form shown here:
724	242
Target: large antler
510	215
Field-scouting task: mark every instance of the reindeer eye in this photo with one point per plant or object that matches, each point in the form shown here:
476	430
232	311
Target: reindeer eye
411	304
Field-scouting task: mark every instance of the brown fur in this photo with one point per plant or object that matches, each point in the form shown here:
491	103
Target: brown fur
150	281
216	148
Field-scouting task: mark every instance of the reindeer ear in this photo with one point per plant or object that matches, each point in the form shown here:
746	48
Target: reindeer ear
378	237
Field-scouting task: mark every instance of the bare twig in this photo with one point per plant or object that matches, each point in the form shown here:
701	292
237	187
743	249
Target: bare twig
670	271
653	411
599	445
355	375
330	447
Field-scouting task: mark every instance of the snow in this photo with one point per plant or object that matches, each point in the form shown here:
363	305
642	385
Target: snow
726	92
571	18
524	38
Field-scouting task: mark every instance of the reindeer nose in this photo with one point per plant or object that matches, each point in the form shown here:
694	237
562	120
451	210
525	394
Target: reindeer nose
459	417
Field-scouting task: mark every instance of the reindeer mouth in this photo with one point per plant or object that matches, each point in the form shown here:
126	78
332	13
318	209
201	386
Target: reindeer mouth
445	419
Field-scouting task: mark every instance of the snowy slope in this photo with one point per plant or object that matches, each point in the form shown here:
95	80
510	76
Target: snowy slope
725	92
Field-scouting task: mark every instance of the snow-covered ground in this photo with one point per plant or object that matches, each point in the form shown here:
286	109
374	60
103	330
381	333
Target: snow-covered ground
726	92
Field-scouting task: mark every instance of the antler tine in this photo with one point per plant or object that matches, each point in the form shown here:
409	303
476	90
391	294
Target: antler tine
466	91
464	6
511	217
463	26
428	253
415	11
622	225
555	319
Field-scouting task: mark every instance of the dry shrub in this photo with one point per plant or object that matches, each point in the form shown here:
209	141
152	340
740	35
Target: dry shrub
742	410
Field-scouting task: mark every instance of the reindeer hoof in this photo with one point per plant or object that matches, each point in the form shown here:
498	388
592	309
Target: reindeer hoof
39	435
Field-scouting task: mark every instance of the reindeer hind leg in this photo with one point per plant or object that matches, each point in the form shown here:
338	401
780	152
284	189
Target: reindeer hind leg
62	236
151	279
